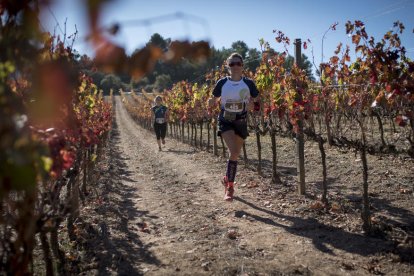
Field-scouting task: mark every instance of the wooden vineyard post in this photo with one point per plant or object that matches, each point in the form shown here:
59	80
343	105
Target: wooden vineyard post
300	155
215	147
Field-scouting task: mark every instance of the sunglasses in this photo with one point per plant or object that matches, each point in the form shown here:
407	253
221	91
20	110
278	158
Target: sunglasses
237	63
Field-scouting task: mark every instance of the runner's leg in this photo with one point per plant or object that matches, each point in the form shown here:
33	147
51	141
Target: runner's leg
234	144
163	132
157	130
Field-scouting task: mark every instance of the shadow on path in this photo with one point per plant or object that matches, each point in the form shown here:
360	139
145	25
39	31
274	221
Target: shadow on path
180	152
324	237
116	244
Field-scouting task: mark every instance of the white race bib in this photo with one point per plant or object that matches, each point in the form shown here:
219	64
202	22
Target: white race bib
234	106
160	120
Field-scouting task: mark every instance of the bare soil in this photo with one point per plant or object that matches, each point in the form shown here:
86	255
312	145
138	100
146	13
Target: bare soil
163	213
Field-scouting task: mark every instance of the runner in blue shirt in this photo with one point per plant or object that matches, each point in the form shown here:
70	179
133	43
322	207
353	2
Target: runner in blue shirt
159	117
234	93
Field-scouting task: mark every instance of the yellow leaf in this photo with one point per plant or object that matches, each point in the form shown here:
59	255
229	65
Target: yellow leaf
93	157
47	163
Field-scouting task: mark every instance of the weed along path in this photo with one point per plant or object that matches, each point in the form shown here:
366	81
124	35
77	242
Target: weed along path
171	219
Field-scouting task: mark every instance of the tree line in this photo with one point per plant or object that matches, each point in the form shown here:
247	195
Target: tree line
166	74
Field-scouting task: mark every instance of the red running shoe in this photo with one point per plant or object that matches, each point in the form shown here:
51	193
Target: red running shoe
228	189
230	192
224	182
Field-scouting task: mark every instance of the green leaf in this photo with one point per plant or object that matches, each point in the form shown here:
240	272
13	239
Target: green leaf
6	68
47	163
93	157
276	87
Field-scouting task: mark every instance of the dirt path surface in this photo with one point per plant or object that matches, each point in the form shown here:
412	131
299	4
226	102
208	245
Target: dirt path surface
164	214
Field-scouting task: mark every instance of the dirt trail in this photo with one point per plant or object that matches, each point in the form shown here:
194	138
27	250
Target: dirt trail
165	216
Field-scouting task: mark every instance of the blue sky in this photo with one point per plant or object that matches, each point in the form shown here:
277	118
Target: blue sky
225	21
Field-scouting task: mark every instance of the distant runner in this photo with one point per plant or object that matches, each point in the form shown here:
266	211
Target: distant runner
160	120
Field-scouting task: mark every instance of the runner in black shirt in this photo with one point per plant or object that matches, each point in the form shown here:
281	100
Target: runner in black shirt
160	120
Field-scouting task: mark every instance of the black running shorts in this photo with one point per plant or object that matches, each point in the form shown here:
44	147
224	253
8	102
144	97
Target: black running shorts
239	126
160	130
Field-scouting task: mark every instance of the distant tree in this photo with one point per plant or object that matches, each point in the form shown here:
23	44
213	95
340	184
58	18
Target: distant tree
252	60
193	71
126	86
218	56
140	84
157	40
149	88
305	64
109	82
189	70
96	76
85	62
240	47
125	78
162	82
272	52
